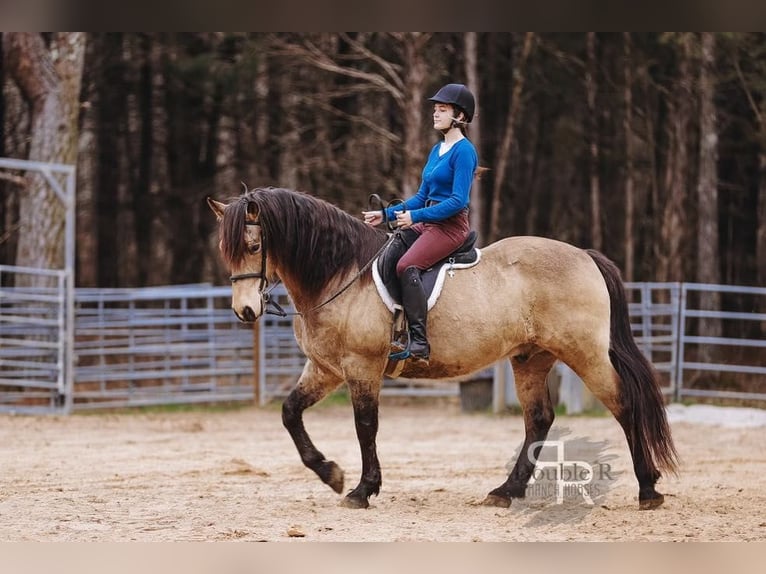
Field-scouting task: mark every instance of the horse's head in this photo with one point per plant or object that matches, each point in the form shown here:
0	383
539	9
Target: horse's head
242	248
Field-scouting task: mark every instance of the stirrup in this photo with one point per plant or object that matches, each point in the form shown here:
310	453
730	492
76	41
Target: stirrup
399	350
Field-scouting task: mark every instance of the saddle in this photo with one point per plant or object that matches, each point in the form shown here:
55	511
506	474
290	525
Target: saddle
387	284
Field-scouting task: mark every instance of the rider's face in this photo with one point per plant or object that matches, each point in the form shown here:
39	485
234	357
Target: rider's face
443	115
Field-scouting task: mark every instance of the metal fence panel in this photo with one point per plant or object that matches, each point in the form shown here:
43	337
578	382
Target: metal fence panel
280	360
656	320
182	344
706	362
160	345
653	309
33	342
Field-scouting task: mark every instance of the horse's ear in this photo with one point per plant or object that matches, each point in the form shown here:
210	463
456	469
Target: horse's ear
216	206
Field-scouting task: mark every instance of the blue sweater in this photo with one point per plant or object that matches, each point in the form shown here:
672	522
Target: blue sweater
446	179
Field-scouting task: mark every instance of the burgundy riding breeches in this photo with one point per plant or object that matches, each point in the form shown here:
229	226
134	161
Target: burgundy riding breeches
432	242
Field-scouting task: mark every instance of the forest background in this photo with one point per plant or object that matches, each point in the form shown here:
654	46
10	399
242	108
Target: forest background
650	147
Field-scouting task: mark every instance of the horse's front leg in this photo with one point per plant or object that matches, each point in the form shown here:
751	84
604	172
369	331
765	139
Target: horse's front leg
365	399
312	387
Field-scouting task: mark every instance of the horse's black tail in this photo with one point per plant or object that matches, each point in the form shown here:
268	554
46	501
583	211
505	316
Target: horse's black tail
644	418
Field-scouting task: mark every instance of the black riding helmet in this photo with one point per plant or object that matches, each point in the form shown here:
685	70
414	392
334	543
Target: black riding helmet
457	95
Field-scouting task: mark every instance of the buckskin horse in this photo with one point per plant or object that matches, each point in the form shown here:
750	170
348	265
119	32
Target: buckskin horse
530	299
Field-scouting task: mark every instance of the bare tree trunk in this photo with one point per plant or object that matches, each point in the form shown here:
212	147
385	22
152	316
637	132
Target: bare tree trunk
472	78
759	111
253	129
289	138
708	261
225	178
49	78
504	152
415	74
647	190
160	259
15	129
261	89
761	222
142	155
129	252
628	129
87	170
324	179
670	256
259	170
591	88
760	233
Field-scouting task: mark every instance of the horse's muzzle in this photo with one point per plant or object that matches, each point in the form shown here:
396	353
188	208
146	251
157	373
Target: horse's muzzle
247	315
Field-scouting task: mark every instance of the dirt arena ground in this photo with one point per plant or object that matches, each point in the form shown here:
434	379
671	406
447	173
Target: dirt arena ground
235	475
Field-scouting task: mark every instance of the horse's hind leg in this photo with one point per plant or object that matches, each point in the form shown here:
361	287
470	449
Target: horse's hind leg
621	376
604	382
312	387
365	399
530	375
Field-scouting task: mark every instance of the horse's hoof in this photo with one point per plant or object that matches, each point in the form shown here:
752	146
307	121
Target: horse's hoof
651	503
495	500
334	477
353	502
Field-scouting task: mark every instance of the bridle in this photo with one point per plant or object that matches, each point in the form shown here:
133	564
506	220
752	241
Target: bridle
263	285
259	274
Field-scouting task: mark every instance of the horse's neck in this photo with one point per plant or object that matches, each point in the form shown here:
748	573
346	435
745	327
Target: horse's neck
304	301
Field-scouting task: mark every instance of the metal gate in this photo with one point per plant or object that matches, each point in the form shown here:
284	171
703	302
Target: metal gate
37	324
654	320
33	343
731	364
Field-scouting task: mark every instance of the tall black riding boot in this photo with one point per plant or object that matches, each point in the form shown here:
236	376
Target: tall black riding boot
416	309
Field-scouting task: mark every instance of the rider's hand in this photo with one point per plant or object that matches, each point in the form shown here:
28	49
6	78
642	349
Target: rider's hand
373	217
403	219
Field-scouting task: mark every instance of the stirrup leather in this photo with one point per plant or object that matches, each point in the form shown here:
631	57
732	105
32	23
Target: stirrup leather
400	342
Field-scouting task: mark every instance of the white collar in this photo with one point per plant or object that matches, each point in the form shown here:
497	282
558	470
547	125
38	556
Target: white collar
444	147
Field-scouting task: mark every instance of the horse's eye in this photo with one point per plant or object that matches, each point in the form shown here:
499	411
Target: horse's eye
254	248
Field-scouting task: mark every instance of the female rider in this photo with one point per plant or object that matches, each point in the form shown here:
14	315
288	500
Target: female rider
434	221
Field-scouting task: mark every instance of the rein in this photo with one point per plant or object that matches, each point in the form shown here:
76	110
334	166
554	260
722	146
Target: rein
264	282
282	313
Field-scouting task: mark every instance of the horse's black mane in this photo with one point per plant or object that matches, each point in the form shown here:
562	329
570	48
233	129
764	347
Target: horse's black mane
304	235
